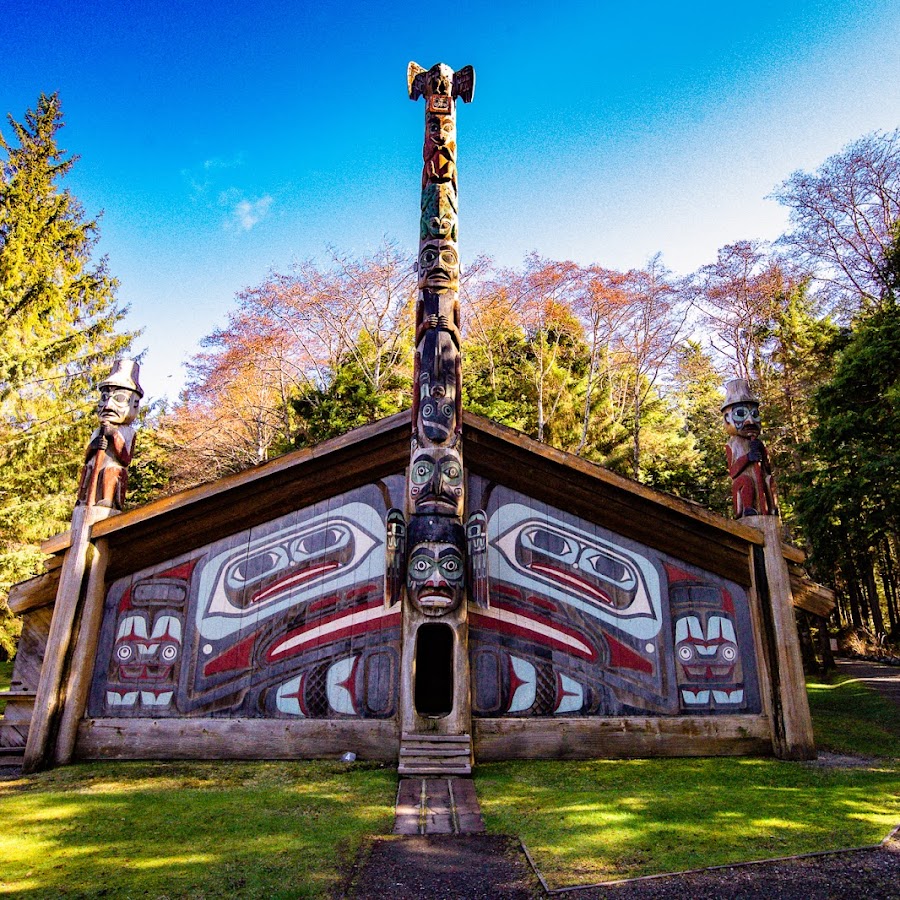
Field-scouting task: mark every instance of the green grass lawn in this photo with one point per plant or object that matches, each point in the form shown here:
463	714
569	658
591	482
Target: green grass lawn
266	829
600	820
6	668
199	830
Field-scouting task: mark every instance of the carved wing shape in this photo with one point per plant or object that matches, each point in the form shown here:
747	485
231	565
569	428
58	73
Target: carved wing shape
415	80
464	84
394	557
476	538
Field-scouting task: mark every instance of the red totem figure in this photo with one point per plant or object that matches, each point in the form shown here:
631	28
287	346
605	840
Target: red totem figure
752	484
104	478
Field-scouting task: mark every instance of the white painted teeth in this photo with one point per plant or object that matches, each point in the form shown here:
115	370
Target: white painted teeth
151	698
694	698
148	698
121	698
132	626
728	696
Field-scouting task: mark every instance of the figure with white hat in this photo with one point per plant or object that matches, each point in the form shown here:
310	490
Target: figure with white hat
104	478
752	483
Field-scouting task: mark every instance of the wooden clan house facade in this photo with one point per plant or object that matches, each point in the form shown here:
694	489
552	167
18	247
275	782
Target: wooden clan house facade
386	594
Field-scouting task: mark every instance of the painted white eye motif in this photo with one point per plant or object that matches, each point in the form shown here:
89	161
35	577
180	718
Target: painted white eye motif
550	543
124	653
324	539
686	652
729	653
169	653
253	568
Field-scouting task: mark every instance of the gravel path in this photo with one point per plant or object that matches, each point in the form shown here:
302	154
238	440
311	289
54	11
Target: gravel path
480	867
878	676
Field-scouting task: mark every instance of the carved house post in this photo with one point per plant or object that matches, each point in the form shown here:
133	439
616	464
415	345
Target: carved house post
101	492
756	503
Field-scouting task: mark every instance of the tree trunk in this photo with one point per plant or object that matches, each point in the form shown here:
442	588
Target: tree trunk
874	600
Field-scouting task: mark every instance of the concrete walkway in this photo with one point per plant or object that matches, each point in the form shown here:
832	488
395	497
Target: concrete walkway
878	676
437	806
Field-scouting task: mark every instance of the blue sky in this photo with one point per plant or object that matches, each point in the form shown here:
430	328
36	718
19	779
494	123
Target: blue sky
224	139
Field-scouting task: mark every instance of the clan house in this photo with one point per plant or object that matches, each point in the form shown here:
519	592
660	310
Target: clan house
431	590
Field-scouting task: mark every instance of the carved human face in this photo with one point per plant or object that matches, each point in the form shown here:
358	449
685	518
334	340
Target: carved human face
438	409
435	577
117	405
743	420
440	130
439	217
436	482
438	266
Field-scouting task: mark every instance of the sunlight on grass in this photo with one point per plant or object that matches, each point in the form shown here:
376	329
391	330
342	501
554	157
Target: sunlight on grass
602	819
189	829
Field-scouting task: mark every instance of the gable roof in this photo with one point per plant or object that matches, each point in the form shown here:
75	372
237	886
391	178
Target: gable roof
189	519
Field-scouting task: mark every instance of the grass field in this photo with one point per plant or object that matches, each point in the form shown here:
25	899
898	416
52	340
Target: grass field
204	830
592	821
199	830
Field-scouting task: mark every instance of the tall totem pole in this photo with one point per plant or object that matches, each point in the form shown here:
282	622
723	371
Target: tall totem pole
431	537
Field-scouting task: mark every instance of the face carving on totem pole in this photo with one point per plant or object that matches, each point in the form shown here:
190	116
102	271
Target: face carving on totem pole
117	405
435	578
439	219
435	570
438	409
438	267
439	130
743	420
436	482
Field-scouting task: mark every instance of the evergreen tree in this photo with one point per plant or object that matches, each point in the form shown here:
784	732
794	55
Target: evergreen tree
58	318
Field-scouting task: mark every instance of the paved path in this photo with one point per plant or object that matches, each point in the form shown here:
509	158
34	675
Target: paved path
878	676
437	806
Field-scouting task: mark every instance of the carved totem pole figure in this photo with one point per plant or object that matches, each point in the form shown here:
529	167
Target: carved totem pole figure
431	550
104	478
752	484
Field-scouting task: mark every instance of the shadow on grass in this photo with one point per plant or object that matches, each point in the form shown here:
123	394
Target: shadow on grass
194	829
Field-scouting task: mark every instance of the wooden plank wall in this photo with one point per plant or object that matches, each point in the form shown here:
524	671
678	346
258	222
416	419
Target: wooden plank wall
622	737
237	739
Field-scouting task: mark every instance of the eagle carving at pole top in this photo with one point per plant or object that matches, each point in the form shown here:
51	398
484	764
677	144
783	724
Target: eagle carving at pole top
440	79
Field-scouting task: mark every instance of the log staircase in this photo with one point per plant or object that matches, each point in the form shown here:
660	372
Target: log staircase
435	754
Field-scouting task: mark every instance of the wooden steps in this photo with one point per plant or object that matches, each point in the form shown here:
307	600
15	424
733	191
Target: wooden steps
14	723
435	754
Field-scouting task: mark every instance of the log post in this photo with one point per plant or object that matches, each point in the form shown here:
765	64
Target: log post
48	698
792	730
101	493
85	651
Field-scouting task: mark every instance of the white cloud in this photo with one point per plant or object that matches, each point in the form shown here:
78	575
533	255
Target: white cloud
247	213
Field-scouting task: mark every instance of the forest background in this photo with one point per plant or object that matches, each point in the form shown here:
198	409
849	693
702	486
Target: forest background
623	368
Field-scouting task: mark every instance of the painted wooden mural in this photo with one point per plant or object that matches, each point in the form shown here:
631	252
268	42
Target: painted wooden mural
296	619
580	621
286	620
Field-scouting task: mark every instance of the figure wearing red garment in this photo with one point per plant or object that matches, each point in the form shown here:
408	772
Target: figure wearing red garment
752	484
104	478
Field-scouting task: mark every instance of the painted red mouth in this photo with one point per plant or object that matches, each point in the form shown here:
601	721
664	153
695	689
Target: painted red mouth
293	579
567	577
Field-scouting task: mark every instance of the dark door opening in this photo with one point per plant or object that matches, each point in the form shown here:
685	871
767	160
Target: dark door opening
434	670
